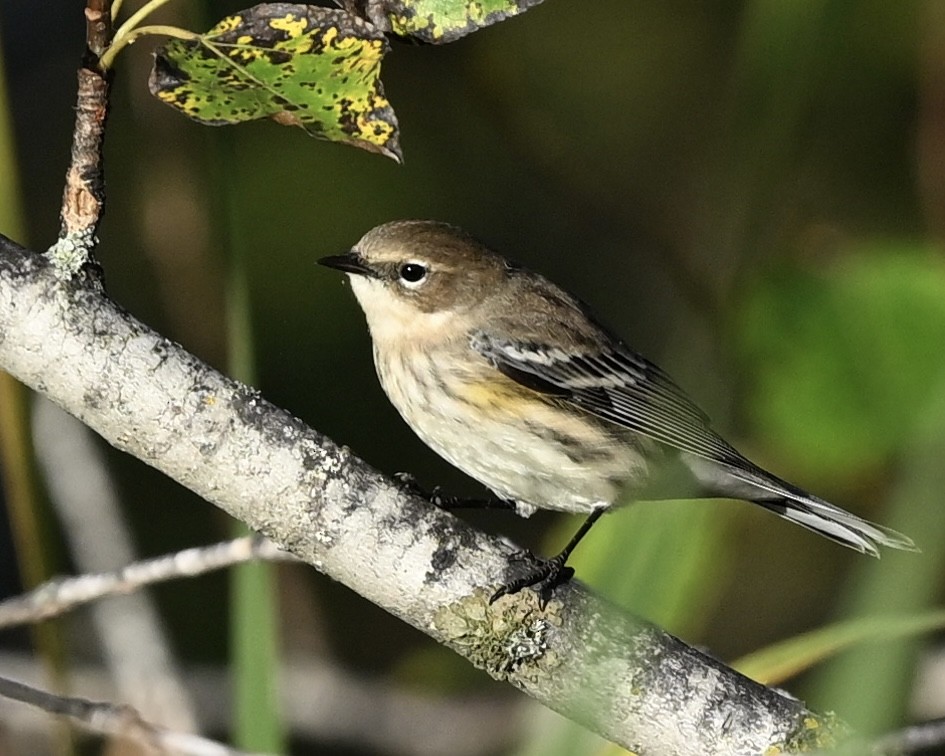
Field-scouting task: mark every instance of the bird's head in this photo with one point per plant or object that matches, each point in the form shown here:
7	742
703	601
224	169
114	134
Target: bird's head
417	275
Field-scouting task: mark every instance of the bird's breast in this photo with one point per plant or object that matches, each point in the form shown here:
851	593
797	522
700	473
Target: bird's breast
517	442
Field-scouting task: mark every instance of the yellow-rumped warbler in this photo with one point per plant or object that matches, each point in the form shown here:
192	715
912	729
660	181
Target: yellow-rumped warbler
513	381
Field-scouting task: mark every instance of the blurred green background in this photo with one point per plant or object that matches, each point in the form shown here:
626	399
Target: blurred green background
751	193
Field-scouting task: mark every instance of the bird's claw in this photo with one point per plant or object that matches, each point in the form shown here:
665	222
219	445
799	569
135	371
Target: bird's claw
407	481
543	576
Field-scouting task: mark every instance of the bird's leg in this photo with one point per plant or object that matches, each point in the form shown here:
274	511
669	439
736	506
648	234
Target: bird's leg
547	574
436	497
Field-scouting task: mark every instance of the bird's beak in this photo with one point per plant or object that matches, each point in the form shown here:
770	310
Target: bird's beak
350	262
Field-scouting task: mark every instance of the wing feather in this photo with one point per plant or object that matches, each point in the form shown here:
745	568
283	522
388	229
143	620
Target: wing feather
616	385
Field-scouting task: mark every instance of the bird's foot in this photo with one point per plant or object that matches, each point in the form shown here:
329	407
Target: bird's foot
438	499
407	483
543	575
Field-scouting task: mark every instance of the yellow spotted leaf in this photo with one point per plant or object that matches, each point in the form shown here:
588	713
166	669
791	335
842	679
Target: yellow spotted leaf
435	21
300	65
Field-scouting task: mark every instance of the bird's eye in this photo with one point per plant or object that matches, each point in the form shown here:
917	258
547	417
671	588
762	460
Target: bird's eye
412	273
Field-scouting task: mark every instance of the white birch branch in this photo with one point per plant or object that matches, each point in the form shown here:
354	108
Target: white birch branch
619	676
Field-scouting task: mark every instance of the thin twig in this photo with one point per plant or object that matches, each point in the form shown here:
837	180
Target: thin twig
134	642
58	596
114	720
83	199
323	702
98	29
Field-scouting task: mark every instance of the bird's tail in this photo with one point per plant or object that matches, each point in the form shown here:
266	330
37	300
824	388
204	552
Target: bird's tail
761	487
837	524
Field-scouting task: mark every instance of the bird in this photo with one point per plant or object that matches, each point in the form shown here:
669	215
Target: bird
517	383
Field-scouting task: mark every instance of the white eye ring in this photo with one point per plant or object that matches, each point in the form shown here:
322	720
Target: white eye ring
413	274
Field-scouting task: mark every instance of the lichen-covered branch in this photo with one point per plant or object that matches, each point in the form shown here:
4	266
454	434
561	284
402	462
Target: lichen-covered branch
619	676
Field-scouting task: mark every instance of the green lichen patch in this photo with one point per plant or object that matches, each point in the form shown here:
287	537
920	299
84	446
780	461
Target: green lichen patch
300	65
505	638
437	21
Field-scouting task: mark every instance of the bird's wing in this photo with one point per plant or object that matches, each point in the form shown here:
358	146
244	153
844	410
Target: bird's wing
624	388
615	384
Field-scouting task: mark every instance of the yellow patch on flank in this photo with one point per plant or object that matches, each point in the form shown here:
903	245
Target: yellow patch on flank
491	395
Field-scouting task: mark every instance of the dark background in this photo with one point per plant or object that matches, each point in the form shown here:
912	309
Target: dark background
751	193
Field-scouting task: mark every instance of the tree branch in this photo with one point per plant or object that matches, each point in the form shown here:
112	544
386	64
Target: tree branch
118	721
323	702
83	199
619	676
61	595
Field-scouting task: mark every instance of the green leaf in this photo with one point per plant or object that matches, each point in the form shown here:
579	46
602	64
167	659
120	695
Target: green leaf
775	664
436	21
300	65
846	359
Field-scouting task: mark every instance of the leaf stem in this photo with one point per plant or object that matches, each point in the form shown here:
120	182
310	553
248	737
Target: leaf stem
128	29
129	37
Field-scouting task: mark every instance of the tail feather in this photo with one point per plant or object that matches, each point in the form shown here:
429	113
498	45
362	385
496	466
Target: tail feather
749	482
839	526
826	519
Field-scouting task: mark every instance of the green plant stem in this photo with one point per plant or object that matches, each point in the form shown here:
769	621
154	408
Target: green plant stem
254	613
122	40
781	661
138	16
